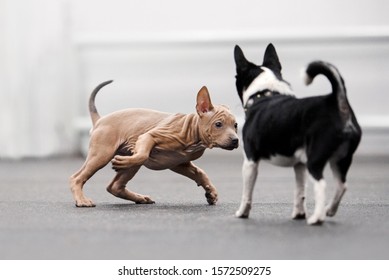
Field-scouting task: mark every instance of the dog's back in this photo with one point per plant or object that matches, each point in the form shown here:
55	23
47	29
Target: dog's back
283	124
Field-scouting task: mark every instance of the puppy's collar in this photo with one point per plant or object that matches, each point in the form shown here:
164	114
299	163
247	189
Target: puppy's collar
258	95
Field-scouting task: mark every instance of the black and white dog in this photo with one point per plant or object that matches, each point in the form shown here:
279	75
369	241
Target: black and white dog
302	133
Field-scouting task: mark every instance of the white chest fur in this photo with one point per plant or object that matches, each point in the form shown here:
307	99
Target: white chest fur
299	156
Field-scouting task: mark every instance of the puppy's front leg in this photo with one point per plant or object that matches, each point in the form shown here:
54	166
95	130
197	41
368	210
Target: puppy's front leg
195	173
143	147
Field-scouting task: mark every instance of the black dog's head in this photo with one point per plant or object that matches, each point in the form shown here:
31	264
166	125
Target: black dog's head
251	78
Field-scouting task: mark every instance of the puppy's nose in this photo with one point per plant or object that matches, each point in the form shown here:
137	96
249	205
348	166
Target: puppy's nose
235	142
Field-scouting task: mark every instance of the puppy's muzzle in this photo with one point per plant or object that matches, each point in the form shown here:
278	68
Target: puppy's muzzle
234	143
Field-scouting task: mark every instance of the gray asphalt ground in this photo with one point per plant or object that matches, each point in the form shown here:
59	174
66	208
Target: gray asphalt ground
38	219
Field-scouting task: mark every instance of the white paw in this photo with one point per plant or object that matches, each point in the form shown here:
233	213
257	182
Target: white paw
298	214
315	220
244	211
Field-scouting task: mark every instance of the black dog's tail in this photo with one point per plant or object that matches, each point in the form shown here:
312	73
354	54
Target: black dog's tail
338	87
92	107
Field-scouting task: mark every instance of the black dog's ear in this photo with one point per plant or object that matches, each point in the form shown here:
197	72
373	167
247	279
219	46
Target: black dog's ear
240	61
270	59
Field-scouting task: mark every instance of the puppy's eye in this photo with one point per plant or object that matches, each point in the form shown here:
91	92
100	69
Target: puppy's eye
218	124
236	126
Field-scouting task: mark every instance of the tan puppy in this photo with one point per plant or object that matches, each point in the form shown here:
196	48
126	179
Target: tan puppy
135	137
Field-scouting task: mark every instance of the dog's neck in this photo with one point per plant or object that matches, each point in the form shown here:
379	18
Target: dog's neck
266	81
189	131
258	95
203	135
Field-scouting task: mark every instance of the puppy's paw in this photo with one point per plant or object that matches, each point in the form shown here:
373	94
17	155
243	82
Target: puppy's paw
145	199
85	202
211	197
120	162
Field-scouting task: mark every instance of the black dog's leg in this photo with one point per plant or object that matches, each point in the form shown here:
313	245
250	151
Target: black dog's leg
249	172
299	193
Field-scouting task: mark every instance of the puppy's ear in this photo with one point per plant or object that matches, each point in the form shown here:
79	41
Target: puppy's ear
204	103
240	60
270	59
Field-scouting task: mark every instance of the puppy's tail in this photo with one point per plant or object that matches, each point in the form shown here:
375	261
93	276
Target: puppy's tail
92	107
338	87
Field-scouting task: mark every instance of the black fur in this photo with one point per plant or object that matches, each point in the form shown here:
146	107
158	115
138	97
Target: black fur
324	126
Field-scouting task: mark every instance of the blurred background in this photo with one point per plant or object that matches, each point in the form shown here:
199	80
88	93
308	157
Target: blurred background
160	53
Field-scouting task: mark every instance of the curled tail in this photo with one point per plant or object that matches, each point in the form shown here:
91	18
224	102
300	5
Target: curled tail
92	107
338	87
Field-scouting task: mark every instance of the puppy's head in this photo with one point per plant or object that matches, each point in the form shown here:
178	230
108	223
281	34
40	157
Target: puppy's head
217	125
252	78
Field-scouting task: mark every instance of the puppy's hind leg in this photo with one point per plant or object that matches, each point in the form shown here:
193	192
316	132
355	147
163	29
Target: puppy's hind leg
101	151
118	187
299	208
93	163
249	172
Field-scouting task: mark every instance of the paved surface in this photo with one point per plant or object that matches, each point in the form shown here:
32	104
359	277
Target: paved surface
38	219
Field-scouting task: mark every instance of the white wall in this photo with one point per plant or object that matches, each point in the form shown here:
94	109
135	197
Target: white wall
54	52
36	78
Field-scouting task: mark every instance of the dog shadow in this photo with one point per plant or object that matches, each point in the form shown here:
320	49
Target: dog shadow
180	207
219	212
